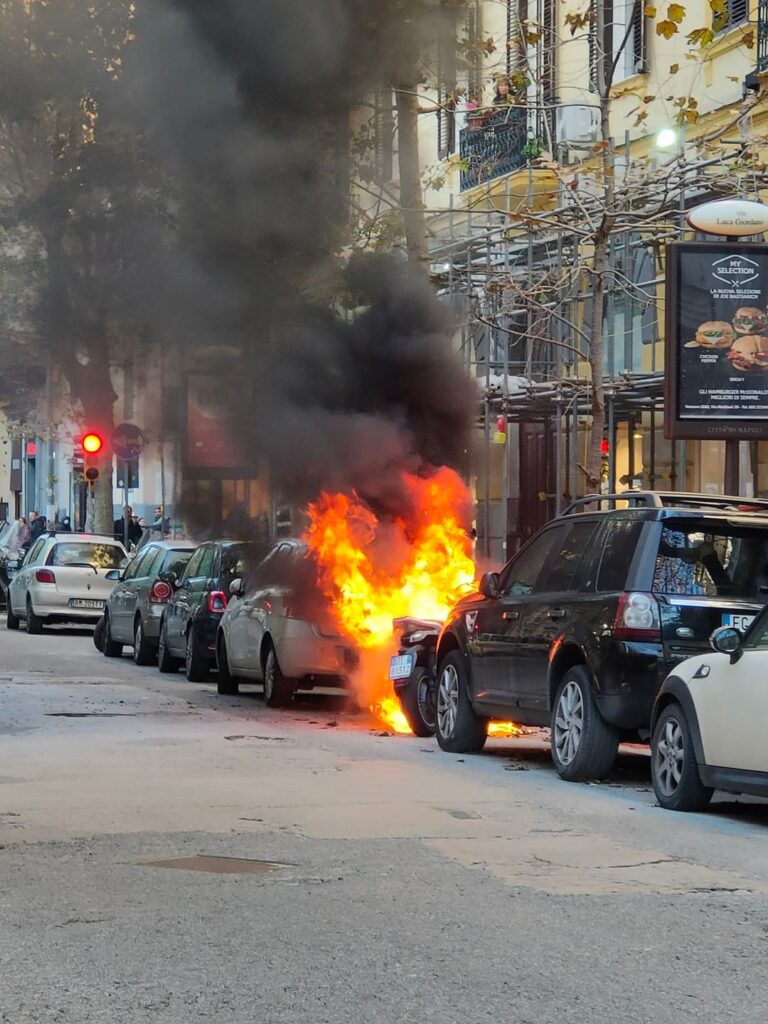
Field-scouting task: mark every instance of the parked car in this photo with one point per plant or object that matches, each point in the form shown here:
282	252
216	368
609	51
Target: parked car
278	631
134	609
9	559
191	618
581	627
63	579
709	722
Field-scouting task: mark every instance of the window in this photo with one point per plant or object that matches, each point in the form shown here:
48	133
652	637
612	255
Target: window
177	561
34	554
206	563
522	573
624	44
618	552
100	556
712	559
736	13
563	564
132	570
153	565
446	84
758	634
194	565
235	561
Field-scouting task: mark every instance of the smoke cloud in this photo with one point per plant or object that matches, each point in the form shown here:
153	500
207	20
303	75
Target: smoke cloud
246	107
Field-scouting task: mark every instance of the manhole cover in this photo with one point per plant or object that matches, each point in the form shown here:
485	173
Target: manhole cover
215	865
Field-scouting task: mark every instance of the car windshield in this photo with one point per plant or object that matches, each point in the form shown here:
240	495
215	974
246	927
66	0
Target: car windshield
100	556
712	559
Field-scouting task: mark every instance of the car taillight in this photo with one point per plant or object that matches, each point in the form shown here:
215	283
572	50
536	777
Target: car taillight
45	576
217	601
160	592
637	618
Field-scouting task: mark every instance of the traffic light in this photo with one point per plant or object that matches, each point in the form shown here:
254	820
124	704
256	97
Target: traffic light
91	443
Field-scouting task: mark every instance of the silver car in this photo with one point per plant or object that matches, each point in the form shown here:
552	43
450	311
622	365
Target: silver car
135	607
277	630
64	578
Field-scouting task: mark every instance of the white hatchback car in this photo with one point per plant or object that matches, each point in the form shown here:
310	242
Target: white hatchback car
708	725
63	579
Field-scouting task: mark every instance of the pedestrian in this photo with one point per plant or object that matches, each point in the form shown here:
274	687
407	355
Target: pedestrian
160	525
133	528
37	525
503	95
23	535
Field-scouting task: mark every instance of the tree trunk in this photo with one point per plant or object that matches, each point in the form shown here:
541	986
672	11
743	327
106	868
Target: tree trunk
595	452
411	196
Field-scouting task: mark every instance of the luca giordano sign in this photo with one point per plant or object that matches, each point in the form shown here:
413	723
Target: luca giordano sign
717	340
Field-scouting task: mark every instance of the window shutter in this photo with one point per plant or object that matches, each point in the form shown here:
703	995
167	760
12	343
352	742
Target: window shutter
511	35
384	126
639	39
446	84
592	35
739	10
548	64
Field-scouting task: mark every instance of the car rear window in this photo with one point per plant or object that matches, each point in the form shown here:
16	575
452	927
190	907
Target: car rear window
100	556
712	559
618	551
176	560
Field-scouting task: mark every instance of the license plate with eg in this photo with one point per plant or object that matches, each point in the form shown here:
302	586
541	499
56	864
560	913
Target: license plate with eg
738	620
82	602
401	666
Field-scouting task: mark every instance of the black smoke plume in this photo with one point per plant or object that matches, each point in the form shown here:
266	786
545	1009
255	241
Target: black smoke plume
246	106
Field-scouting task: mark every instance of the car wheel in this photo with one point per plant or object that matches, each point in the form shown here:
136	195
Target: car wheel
98	635
34	622
460	730
111	648
143	652
583	745
278	691
226	683
196	666
674	772
417	700
11	620
166	662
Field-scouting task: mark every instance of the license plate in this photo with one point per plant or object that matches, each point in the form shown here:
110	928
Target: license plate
401	666
81	602
738	621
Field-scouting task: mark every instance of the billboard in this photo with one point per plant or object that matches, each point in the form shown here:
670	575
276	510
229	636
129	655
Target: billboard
717	340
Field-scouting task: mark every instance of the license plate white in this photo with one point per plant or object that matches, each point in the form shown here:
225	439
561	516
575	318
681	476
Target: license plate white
401	666
81	602
738	620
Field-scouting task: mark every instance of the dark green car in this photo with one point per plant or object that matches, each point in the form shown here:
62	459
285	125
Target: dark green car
135	608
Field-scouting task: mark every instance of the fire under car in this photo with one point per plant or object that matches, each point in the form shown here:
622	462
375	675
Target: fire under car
580	628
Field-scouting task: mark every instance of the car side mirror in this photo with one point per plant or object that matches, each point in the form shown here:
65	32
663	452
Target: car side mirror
727	640
169	576
236	588
489	585
114	575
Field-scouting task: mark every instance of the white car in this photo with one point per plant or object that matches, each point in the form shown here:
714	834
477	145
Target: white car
708	725
63	579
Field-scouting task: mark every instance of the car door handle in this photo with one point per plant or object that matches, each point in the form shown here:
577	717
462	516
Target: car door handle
556	613
510	616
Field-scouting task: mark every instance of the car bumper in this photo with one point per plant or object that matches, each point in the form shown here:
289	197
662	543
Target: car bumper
53	605
302	652
631	675
151	621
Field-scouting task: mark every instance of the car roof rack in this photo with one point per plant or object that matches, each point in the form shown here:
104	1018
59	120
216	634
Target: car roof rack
668	499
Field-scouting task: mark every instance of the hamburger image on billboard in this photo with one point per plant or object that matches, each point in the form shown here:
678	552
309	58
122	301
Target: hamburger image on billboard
719	327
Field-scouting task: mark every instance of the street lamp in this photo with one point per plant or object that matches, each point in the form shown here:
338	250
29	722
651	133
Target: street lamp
667	138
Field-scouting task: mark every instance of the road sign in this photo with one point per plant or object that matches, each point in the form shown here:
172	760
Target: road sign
127	441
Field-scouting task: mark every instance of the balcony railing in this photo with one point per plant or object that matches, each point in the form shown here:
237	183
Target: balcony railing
497	146
762	35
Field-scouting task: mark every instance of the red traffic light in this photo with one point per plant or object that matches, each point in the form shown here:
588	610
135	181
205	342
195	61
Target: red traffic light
605	446
92	443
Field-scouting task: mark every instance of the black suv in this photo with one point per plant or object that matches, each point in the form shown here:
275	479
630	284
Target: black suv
581	626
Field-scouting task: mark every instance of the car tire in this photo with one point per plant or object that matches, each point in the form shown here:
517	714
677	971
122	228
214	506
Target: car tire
143	652
417	700
166	662
583	746
674	772
33	622
111	648
196	667
226	684
11	621
98	635
278	691
459	729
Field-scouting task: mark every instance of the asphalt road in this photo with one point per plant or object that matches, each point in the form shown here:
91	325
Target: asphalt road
369	878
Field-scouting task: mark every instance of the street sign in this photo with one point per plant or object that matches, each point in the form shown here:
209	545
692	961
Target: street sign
732	217
127	441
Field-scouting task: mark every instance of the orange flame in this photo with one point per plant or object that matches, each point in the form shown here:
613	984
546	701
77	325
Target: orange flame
376	571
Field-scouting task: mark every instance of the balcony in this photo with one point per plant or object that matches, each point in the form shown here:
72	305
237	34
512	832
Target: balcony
762	35
496	147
